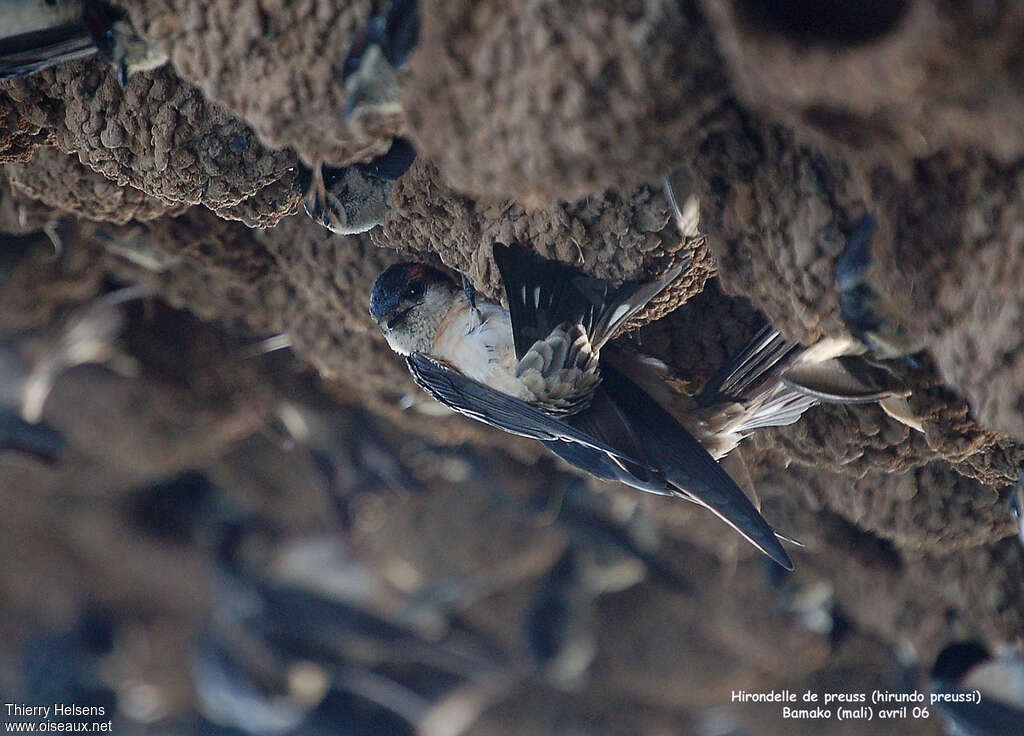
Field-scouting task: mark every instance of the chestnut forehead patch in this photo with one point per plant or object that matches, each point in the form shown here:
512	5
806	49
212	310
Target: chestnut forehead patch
388	289
420	272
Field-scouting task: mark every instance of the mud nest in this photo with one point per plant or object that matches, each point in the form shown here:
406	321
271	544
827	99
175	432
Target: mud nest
554	124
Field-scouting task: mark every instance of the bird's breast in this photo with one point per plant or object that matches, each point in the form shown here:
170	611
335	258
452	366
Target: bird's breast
479	343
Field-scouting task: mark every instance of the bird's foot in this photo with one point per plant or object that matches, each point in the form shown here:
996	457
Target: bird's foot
470	291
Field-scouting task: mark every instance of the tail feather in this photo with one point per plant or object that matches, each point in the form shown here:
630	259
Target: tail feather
782	407
27	53
629	299
760	359
777	380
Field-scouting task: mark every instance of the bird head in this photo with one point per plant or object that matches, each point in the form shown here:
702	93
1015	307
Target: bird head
408	302
344	200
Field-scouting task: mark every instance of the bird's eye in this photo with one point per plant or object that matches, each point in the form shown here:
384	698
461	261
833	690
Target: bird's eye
413	290
330	175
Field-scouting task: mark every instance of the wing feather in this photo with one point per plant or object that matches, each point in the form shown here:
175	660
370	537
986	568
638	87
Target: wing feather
37	50
623	435
685	463
543	294
485	404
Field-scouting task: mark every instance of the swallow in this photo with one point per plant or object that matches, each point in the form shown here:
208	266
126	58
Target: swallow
29	366
371	70
536	371
544	369
967	669
354	199
39	34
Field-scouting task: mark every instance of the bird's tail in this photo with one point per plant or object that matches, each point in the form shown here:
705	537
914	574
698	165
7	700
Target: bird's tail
776	380
692	473
33	51
752	380
757	363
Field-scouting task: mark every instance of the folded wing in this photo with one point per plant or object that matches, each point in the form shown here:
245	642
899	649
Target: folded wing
544	294
690	471
624	436
485	404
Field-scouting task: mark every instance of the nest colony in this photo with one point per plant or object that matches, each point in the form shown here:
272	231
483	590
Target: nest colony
553	124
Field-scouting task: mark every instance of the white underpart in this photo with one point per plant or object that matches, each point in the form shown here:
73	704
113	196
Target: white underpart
479	344
553	374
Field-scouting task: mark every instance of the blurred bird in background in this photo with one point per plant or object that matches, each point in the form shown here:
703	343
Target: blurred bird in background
606	553
353	199
304	637
39	34
976	693
373	67
30	363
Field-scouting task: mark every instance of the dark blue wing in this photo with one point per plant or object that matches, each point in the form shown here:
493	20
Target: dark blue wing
620	416
544	294
606	467
39	440
677	454
500	410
